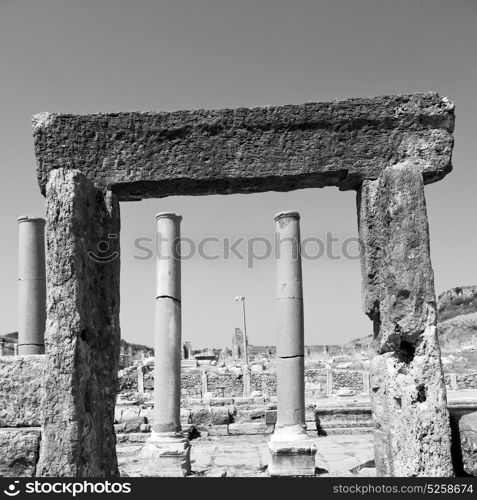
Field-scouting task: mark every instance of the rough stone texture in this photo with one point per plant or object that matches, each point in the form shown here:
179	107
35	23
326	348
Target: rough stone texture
276	148
191	384
225	385
82	332
21	390
468	441
348	379
19	452
412	432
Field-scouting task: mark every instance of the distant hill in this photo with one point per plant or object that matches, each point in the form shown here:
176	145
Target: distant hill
457	319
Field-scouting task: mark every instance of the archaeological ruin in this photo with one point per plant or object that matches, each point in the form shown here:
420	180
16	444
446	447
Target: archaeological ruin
385	148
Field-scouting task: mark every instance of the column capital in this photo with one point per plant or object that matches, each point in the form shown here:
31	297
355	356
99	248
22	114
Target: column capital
287	213
168	215
27	218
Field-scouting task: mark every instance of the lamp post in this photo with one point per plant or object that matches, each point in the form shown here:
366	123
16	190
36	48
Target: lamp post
245	350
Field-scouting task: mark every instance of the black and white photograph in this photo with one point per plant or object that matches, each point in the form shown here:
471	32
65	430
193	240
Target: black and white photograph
238	244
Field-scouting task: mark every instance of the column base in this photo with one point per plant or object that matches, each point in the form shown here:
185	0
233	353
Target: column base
166	454
292	453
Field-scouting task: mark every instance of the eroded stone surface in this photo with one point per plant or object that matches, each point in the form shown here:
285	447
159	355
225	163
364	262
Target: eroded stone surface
468	442
276	148
412	433
82	333
19	450
21	390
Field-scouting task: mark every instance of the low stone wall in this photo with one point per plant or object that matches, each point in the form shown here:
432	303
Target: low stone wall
196	383
20	390
225	385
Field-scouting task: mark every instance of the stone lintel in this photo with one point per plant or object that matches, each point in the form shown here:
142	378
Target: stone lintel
274	148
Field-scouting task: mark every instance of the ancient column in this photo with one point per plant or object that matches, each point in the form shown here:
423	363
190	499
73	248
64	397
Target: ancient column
31	285
411	421
292	452
167	448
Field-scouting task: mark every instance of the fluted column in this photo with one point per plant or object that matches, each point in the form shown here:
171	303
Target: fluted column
31	285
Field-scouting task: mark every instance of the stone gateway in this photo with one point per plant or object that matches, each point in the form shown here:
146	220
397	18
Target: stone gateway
385	148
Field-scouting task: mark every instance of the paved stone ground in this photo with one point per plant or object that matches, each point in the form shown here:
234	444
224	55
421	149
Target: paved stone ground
247	456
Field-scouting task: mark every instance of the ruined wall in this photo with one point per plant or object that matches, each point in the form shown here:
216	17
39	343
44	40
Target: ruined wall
21	396
348	379
412	432
191	384
229	384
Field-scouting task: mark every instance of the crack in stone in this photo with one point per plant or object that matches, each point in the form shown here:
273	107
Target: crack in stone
168	297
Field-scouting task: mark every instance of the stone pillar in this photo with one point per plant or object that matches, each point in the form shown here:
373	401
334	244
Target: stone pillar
292	452
408	397
246	380
140	378
205	388
31	285
82	331
167	448
2	348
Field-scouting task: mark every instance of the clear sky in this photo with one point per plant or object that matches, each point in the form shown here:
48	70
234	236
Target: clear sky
115	55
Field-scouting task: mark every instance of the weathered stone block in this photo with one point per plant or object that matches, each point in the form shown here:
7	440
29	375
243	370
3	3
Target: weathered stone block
468	442
251	415
200	415
21	390
82	331
275	148
310	412
271	417
19	449
165	456
220	415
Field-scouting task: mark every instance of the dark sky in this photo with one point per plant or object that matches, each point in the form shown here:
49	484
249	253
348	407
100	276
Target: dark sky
114	55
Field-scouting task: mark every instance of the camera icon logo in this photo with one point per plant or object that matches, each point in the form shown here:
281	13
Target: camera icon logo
104	253
12	490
